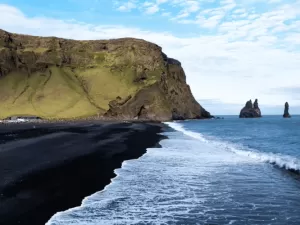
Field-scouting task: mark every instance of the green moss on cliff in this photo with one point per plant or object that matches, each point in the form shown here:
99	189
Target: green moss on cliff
99	57
63	92
36	50
49	94
1	43
57	78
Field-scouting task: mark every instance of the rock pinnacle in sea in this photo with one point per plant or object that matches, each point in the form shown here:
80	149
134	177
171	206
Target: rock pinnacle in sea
250	110
286	111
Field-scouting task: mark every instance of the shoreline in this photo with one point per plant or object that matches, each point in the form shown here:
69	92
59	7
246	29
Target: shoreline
53	167
96	120
81	120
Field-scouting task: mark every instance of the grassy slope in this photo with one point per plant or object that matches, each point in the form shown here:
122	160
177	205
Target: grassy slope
62	93
97	78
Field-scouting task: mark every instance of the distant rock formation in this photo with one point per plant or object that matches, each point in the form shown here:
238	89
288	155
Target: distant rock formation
250	110
286	111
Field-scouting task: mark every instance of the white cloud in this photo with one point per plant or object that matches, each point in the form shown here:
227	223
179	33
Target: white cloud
188	7
127	6
274	1
293	38
183	15
161	1
209	22
243	60
207	18
227	4
148	7
147	4
238	11
152	9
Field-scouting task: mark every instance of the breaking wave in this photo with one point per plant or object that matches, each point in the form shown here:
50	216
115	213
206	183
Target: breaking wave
283	161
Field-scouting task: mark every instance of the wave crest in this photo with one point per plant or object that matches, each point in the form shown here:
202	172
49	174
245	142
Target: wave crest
283	161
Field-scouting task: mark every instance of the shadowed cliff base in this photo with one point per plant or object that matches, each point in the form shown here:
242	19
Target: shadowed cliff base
53	167
124	79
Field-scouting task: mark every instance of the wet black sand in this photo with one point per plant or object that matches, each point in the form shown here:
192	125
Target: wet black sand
46	168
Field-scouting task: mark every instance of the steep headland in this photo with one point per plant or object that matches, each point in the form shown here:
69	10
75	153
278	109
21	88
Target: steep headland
124	78
250	110
286	113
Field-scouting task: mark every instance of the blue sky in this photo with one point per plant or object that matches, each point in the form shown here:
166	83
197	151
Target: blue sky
105	12
231	50
173	16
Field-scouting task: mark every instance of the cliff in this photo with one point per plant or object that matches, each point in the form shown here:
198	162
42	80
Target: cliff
286	113
123	78
250	110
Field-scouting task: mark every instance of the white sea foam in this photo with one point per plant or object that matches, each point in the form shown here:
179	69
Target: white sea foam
190	180
179	127
283	161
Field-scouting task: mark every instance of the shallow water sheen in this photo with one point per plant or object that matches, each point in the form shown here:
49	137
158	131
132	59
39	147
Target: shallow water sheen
199	177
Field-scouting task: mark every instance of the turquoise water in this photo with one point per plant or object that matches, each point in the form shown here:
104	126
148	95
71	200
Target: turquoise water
231	171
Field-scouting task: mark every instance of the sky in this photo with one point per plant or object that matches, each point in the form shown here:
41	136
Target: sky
231	50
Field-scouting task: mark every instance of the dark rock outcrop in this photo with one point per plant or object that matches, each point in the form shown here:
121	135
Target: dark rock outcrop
286	113
250	110
122	79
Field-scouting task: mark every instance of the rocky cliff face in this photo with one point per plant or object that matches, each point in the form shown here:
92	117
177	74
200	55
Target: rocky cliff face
124	78
286	113
250	110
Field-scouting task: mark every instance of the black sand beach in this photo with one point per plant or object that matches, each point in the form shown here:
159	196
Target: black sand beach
46	168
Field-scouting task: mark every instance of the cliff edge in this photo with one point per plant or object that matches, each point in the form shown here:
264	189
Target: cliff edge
126	78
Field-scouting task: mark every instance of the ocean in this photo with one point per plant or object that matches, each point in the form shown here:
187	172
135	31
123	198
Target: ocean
212	172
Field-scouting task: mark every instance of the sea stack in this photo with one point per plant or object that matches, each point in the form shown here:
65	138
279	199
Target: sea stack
286	111
250	110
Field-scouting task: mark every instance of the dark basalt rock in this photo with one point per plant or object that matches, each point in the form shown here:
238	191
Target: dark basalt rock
286	111
250	110
173	62
255	105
